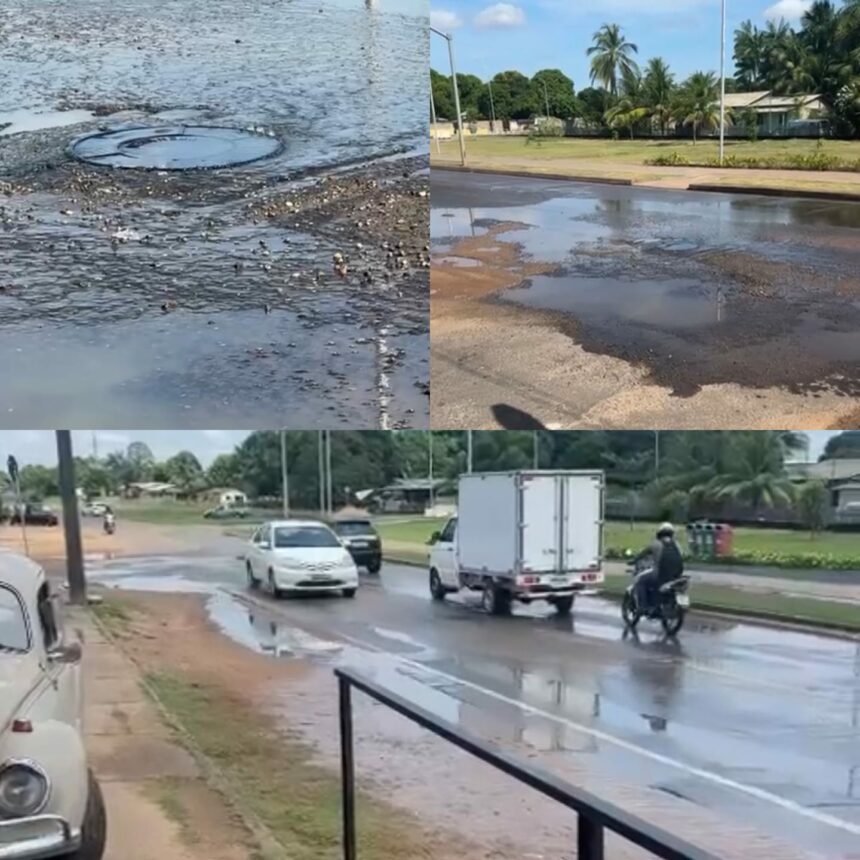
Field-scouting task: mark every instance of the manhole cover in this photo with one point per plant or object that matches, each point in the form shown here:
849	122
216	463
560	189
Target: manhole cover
175	147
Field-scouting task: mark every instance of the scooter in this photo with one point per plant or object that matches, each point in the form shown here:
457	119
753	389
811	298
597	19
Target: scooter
670	607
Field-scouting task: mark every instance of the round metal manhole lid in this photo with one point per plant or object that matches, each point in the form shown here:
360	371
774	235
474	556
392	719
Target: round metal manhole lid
187	147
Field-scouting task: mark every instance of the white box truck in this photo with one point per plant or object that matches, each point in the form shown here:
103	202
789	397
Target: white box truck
527	535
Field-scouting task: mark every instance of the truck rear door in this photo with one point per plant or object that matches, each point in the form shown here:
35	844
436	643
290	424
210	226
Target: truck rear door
583	521
539	525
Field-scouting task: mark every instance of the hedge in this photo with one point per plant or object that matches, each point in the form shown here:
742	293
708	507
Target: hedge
757	558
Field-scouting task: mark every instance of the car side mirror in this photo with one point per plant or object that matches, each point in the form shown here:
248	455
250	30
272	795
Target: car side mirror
434	538
71	653
265	544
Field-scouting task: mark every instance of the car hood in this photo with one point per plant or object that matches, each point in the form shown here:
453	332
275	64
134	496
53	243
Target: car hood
312	556
16	681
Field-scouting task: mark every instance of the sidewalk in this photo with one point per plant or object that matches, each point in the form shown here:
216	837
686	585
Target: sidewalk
159	807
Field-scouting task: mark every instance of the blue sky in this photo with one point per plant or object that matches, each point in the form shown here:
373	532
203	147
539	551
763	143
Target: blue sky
528	35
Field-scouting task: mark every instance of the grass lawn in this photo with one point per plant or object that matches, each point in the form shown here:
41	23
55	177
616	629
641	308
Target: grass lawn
637	151
620	536
172	512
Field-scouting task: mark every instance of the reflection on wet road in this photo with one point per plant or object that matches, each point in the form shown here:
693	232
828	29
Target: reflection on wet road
699	288
94	260
762	726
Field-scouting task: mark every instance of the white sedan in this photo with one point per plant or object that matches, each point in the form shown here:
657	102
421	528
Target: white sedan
292	556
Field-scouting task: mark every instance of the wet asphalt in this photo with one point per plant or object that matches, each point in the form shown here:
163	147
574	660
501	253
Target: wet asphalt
760	726
699	288
167	297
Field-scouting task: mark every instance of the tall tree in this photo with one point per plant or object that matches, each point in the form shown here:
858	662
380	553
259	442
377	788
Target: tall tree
611	56
555	87
697	102
658	89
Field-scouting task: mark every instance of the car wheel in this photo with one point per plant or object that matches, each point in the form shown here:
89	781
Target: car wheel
564	605
375	566
253	582
437	590
94	827
349	592
275	591
495	600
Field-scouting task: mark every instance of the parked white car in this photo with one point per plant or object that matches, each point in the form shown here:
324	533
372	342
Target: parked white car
50	803
291	556
94	509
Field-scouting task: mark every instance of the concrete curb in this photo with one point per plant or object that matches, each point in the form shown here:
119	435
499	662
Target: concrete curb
270	847
769	191
527	174
765	619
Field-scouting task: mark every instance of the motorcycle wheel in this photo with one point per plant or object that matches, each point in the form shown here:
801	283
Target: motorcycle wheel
672	618
629	612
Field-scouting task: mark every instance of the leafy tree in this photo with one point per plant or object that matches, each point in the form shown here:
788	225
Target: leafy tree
224	471
443	95
559	92
185	471
658	89
611	56
592	105
471	89
755	471
845	446
750	50
697	102
512	96
38	482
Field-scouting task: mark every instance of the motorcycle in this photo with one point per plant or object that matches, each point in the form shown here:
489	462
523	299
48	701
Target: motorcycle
670	607
109	525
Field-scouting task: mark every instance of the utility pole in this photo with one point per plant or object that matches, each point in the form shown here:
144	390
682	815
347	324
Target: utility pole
14	477
430	466
536	448
656	453
723	87
330	507
450	40
492	105
434	127
71	521
321	470
546	98
469	452
285	481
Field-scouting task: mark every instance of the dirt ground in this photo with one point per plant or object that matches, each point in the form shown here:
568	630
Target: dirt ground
478	344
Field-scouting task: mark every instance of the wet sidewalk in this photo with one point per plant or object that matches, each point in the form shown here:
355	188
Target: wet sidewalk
150	783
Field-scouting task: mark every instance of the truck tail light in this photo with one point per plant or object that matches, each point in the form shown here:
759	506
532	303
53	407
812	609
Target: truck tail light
22	726
529	580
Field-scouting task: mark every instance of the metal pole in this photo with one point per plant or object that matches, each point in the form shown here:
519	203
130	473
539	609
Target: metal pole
433	120
546	98
285	485
450	40
723	87
12	465
657	453
589	838
321	471
536	448
330	507
347	770
71	521
492	105
469	452
430	466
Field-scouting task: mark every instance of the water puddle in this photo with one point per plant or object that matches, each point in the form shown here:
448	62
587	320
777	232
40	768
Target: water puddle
457	262
175	147
17	121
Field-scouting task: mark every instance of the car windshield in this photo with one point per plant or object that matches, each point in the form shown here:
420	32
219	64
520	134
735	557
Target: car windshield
357	527
298	536
13	623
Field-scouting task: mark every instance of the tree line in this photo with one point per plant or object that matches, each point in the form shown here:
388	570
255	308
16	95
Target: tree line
683	471
821	56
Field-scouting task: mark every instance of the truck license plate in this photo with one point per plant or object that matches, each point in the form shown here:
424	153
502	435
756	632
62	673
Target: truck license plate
559	580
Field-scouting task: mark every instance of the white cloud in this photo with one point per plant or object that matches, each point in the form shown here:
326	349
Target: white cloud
445	21
500	15
791	10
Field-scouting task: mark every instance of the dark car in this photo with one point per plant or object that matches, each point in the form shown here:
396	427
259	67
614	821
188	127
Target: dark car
361	540
34	515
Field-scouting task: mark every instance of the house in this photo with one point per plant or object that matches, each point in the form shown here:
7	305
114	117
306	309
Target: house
843	480
802	115
150	490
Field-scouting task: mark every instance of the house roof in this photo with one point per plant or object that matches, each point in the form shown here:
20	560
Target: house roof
834	470
742	100
152	486
781	103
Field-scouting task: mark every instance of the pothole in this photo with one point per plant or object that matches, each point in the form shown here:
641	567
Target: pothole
186	147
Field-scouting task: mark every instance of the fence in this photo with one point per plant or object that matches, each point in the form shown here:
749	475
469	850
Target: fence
595	816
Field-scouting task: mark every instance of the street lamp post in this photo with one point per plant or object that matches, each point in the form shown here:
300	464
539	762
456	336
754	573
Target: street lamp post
430	468
469	452
450	40
434	129
71	521
723	86
546	99
492	105
285	485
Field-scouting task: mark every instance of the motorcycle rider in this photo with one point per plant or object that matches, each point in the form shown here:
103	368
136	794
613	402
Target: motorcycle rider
667	564
109	522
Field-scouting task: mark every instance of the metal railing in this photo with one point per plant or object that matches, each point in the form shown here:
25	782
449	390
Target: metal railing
595	816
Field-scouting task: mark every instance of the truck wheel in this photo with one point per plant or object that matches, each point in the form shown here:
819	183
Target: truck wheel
496	600
94	827
563	605
437	590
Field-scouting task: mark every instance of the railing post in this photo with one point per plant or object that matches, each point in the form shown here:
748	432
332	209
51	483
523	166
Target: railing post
347	767
589	839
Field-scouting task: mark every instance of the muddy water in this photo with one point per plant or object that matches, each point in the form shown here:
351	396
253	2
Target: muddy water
196	304
698	288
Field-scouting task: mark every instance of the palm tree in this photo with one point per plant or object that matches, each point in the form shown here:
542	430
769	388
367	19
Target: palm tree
755	471
749	55
698	102
658	87
611	56
625	114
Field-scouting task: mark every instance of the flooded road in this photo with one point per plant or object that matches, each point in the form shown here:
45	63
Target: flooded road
696	289
205	292
746	738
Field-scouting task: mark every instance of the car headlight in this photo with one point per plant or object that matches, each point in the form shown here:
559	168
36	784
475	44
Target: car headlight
24	789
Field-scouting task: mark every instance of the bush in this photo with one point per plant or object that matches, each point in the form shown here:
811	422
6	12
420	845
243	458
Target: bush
674	159
754	558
